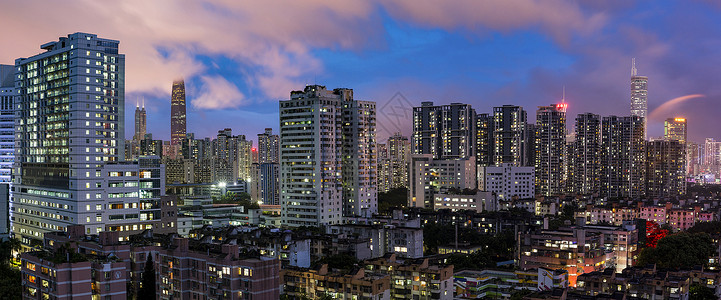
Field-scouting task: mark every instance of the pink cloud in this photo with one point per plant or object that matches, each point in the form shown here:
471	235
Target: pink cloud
274	37
216	93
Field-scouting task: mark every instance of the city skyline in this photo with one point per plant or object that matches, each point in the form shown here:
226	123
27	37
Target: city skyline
383	49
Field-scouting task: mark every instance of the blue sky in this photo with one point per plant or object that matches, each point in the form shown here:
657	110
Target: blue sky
239	59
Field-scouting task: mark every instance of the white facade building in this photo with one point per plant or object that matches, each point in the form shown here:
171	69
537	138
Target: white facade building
480	201
508	181
327	157
430	176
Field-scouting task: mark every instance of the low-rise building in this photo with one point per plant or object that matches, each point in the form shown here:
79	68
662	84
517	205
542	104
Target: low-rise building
72	264
579	249
429	176
477	201
421	278
508	181
337	284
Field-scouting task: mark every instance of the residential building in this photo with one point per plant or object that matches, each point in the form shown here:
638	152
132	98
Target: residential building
623	157
550	148
508	181
69	123
674	129
587	154
429	176
399	154
510	136
665	173
484	145
265	184
268	147
72	264
336	284
421	278
579	249
478	201
327	157
444	131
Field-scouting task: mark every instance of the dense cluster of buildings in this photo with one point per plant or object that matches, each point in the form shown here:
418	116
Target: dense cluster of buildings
222	218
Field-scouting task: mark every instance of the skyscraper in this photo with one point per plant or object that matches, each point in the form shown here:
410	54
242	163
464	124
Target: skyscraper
70	114
177	113
445	131
587	154
623	157
674	129
267	147
7	144
639	94
550	149
665	174
226	156
509	135
399	153
327	158
7	122
484	145
140	122
140	131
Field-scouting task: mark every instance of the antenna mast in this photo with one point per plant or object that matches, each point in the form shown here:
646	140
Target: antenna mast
634	72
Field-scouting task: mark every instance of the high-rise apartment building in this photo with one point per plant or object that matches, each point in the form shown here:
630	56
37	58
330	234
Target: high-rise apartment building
623	157
7	122
509	135
711	152
268	147
444	131
430	176
383	168
550	148
639	94
587	154
7	144
327	156
484	145
264	184
247	155
69	123
177	113
666	163
674	129
399	153
226	156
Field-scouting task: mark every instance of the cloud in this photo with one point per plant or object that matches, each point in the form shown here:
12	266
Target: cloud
557	18
273	40
217	93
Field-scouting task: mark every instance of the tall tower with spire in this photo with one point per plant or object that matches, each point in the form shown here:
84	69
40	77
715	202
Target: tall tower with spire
140	122
177	113
639	95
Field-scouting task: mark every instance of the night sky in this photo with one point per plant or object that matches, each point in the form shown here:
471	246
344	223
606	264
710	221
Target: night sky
240	57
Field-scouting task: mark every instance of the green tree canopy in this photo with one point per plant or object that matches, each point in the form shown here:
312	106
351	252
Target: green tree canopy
678	251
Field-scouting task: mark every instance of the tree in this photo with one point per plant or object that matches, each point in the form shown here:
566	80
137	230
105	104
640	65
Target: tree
10	283
654	233
678	251
701	292
397	197
147	291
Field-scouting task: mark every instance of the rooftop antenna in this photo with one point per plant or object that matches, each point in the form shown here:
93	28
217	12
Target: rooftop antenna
634	72
563	99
